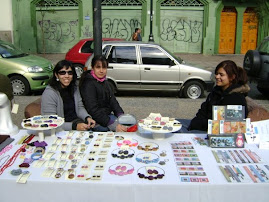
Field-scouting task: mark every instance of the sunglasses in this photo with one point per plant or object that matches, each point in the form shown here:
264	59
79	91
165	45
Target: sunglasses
65	72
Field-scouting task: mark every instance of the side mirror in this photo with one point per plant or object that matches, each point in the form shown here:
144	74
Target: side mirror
172	63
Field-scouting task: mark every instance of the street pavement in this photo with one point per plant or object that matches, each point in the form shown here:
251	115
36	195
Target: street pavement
141	104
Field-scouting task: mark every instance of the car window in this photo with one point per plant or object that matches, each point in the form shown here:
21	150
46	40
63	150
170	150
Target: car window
87	47
105	50
264	47
152	55
10	51
122	54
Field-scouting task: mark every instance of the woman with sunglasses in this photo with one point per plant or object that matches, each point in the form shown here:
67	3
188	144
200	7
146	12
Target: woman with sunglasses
98	98
231	89
61	97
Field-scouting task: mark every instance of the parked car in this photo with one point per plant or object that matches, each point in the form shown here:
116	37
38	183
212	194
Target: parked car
26	72
147	66
256	63
81	51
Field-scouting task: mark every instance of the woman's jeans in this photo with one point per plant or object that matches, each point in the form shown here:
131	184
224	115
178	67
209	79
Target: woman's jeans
100	128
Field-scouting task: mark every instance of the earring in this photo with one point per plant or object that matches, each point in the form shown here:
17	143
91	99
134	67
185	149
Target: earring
57	79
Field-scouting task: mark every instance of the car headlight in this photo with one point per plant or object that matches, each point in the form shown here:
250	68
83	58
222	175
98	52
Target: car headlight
35	69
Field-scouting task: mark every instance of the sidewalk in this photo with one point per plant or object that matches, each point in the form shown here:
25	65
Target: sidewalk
211	61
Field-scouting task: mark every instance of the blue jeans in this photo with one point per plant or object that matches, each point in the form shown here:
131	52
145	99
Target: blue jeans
100	128
185	124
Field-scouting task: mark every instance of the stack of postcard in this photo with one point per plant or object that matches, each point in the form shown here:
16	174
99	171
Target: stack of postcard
227	121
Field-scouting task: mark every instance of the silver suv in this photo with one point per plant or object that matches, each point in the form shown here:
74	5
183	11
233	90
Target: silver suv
135	66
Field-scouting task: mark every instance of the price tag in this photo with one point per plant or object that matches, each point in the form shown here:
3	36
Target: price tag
15	108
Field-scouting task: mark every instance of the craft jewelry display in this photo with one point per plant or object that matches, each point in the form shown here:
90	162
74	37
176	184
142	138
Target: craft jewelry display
148	146
245	174
121	169
122	153
59	173
70	174
150	173
16	172
42	122
23	177
188	164
163	162
163	154
147	158
127	142
236	156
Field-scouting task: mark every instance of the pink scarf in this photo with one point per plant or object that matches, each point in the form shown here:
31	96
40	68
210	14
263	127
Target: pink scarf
94	76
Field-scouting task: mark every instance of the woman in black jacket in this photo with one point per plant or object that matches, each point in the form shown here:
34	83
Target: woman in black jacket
231	89
98	98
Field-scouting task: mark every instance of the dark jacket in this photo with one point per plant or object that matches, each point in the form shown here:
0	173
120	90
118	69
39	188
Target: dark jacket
99	100
233	95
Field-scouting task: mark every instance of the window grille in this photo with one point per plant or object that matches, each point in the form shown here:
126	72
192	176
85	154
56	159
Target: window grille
121	3
57	3
196	3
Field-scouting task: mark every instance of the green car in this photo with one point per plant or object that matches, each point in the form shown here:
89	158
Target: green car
26	72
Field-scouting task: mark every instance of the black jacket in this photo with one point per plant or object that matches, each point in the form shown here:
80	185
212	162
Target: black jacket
233	95
99	100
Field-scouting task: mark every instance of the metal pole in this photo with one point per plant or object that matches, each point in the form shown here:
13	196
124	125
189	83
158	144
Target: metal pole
151	19
97	27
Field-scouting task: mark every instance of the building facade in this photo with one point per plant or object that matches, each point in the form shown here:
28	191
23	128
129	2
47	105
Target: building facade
181	26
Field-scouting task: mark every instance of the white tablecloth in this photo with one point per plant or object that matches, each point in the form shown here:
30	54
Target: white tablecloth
130	187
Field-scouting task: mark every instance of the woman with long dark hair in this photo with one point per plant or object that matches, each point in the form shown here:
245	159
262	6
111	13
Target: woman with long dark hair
231	89
61	97
98	98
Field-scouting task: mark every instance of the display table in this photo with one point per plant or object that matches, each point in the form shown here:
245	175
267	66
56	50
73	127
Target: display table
127	185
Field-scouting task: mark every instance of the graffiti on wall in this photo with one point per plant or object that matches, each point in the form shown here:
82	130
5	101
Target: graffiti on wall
62	32
181	30
86	32
119	28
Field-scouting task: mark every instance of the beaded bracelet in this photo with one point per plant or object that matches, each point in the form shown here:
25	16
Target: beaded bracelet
150	173
123	154
148	146
121	169
147	158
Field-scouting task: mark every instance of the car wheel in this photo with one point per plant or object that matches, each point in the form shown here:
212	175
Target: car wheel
193	89
252	62
112	87
20	85
79	69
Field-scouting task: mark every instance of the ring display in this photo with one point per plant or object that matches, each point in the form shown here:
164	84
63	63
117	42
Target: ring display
42	122
158	126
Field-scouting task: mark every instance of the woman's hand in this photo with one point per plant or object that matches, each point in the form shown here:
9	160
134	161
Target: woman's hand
82	126
121	128
91	122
